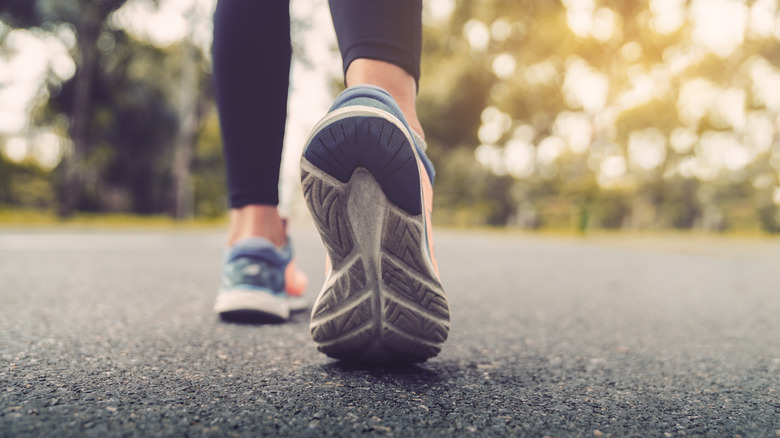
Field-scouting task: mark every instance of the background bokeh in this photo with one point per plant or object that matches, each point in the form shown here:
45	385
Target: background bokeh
563	115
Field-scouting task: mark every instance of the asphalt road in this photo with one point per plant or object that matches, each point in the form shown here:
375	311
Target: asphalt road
111	334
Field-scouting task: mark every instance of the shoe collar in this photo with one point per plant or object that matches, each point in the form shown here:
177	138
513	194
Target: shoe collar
262	248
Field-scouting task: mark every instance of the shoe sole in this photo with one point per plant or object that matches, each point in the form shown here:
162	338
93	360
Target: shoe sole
251	306
382	300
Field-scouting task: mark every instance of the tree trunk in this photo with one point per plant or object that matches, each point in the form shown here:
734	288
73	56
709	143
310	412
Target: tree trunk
181	191
74	166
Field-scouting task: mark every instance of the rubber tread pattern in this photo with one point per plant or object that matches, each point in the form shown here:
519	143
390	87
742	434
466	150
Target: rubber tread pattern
413	320
430	298
339	292
331	218
375	307
402	239
334	328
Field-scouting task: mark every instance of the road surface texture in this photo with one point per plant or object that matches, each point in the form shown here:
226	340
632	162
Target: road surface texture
112	334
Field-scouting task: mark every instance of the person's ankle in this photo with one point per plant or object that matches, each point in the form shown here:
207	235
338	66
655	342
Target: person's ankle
393	79
256	221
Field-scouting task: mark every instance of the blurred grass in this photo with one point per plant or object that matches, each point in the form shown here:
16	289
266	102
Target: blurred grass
23	218
30	217
753	245
732	244
36	218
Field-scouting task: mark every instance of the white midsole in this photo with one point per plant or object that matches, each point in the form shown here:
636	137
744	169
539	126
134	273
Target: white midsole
236	300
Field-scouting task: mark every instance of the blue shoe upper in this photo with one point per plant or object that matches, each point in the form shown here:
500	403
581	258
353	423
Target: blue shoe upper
376	97
256	263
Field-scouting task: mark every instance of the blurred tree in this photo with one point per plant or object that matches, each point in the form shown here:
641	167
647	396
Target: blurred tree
607	112
190	103
131	108
572	113
208	169
24	185
88	20
130	124
5	180
20	13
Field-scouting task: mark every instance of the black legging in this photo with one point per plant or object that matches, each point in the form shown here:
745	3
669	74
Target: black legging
252	53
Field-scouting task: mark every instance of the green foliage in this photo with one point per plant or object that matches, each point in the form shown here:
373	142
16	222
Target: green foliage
19	13
461	185
769	215
209	170
131	126
610	209
25	184
460	80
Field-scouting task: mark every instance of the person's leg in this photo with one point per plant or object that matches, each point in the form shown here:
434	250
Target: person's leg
367	182
256	221
381	45
252	53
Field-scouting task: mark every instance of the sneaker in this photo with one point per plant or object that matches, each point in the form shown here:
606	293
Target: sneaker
260	283
367	183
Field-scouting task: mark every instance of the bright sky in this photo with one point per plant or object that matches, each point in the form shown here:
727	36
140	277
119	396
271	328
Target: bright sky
34	53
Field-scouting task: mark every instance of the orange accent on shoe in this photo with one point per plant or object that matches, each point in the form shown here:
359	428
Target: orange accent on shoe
295	281
427	190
